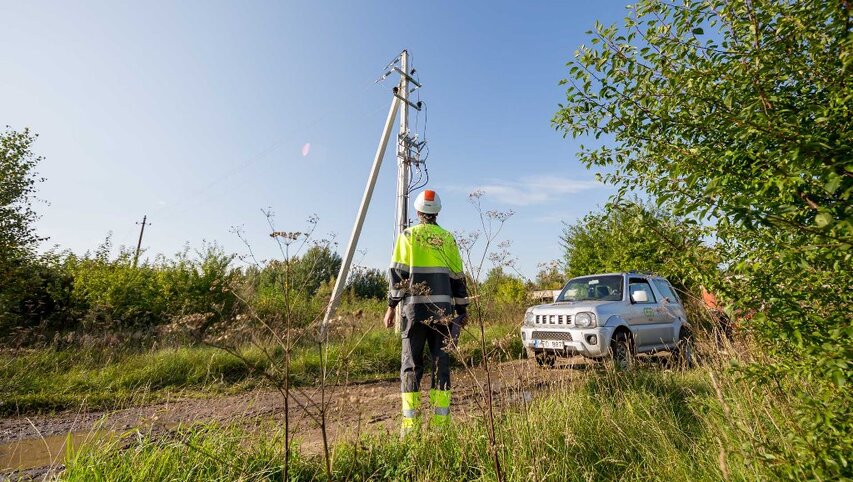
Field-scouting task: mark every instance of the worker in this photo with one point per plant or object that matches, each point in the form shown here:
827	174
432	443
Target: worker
426	276
723	331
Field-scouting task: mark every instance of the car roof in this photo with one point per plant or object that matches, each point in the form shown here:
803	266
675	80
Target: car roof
623	273
599	274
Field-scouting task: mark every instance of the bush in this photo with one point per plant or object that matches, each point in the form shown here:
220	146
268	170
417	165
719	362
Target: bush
36	299
367	283
117	294
57	292
503	289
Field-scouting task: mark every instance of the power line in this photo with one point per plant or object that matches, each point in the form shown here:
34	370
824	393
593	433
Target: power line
199	194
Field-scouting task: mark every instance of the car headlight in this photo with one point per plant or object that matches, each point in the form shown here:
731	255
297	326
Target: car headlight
529	317
585	319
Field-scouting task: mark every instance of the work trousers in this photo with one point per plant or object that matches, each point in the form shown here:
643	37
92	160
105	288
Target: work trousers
420	335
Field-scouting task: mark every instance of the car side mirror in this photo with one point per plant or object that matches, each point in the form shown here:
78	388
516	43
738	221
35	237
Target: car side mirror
640	297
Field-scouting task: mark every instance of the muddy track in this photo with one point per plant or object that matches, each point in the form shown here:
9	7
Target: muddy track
35	444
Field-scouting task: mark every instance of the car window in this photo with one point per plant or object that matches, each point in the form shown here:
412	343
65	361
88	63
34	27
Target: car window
665	290
671	288
636	285
593	288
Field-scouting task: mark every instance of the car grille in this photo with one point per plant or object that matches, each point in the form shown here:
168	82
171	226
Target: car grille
552	335
554	319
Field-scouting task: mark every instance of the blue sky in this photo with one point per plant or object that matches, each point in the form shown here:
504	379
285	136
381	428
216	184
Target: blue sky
196	114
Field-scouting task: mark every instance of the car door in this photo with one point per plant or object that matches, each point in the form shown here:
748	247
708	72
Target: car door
671	309
645	316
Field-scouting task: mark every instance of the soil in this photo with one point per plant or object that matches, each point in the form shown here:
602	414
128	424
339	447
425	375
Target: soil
33	447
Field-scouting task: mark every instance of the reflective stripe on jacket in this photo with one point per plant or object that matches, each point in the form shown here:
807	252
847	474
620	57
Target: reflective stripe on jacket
426	274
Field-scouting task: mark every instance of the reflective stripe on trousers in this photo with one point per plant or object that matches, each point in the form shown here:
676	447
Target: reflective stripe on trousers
411	405
440	401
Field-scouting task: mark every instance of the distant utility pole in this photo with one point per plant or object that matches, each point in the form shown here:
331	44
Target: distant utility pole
139	243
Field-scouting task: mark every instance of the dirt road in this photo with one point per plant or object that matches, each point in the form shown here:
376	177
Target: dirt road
34	445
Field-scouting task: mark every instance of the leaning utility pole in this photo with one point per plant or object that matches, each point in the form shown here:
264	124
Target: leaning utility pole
139	243
408	150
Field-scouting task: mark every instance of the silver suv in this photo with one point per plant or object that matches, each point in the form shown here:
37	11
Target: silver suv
615	315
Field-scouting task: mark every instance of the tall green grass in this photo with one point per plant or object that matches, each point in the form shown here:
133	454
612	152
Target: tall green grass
44	380
642	425
50	379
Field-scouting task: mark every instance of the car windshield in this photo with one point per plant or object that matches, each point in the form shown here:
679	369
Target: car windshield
593	288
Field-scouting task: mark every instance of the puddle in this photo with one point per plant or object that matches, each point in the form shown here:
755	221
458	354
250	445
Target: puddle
34	453
523	397
42	452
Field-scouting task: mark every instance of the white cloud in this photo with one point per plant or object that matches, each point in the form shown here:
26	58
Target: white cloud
551	218
532	190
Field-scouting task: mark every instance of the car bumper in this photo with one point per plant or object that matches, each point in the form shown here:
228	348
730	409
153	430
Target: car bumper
589	342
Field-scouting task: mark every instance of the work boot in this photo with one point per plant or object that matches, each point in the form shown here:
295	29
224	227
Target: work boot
440	401
411	419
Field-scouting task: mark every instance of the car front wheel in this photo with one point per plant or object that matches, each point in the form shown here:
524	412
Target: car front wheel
546	360
622	351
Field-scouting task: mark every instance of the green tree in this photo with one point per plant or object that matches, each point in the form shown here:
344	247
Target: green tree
738	113
367	283
318	265
25	285
18	181
504	288
550	276
632	237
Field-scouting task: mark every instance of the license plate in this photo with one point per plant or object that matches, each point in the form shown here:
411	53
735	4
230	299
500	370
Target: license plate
557	344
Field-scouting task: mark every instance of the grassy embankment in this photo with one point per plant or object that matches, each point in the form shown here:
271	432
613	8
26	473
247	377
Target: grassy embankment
640	425
49	379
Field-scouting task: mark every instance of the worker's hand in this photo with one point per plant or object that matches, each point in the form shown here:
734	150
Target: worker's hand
389	318
463	319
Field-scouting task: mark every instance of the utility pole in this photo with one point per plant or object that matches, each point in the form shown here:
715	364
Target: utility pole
139	243
408	152
402	211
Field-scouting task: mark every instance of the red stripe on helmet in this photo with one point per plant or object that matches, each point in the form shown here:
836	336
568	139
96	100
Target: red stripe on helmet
429	195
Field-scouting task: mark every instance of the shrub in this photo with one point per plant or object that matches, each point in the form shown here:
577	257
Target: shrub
367	283
747	128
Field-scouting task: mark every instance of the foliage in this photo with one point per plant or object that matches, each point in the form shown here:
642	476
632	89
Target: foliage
748	126
550	276
367	283
632	237
750	122
26	284
198	284
17	190
37	293
58	292
318	265
503	288
297	286
114	293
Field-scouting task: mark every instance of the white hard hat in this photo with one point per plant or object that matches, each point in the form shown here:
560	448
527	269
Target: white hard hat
428	202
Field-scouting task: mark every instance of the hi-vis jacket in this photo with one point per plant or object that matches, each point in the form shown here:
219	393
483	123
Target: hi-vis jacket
426	275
